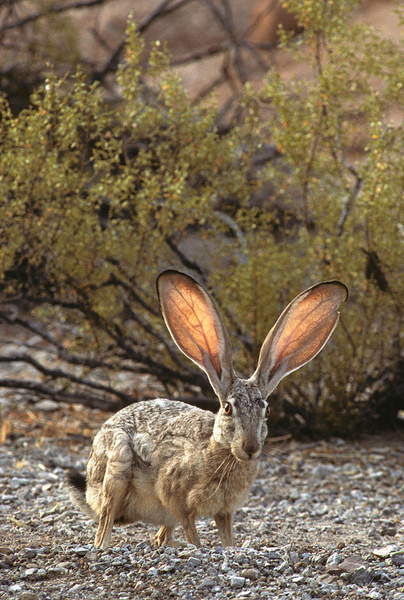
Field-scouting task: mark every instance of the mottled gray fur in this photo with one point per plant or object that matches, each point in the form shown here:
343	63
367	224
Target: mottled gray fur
167	463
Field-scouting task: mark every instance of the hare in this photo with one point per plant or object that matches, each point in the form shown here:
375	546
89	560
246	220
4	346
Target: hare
167	463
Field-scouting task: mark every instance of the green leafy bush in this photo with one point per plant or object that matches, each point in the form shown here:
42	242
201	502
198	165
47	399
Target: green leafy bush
99	198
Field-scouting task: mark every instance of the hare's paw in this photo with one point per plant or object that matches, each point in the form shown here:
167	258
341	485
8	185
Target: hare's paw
165	537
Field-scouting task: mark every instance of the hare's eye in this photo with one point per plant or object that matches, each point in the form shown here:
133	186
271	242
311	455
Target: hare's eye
228	409
267	412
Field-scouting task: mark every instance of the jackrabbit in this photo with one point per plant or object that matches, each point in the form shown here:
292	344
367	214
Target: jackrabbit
165	462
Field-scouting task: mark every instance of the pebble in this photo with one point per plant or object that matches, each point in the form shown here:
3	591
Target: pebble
361	576
193	562
398	560
237	582
15	589
28	596
251	574
80	550
46	406
386	551
207	582
283	567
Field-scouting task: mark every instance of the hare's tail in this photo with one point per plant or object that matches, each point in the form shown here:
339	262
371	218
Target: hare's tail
77	485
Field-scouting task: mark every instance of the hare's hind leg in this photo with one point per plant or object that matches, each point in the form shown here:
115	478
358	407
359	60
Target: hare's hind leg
115	487
224	524
113	495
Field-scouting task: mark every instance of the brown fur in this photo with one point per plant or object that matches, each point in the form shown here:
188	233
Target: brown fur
164	462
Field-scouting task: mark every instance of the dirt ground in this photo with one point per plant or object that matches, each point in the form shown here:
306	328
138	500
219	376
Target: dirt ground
323	520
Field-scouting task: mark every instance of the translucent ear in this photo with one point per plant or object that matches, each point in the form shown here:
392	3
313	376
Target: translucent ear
196	327
299	334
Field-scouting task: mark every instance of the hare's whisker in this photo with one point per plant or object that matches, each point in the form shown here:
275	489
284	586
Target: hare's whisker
231	463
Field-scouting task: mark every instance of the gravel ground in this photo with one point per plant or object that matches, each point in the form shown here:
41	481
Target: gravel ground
323	520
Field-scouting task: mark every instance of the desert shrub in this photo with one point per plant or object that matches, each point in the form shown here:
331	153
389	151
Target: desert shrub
98	198
348	213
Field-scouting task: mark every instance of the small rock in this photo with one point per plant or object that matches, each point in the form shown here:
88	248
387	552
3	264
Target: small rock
390	530
323	471
284	566
382	576
375	595
385	551
92	556
6	561
237	582
333	560
398	559
80	550
251	574
372	532
357	495
294	494
319	559
57	571
293	558
139	585
351	564
46	405
193	562
15	589
326	578
361	576
29	573
28	596
41	573
167	569
207	582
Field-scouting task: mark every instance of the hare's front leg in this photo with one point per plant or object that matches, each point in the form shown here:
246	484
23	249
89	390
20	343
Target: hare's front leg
224	524
191	534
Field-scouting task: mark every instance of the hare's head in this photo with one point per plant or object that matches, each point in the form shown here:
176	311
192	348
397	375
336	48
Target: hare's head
198	330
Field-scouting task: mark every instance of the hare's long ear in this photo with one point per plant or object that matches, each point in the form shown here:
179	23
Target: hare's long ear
299	334
196	327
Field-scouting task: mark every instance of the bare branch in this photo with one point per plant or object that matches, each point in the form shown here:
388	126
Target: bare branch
56	374
197	55
54	9
44	390
161	10
225	19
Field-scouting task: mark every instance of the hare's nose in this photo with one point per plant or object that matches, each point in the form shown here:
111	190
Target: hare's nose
251	448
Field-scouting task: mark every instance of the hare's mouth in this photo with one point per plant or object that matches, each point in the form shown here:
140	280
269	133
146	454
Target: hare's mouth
248	455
